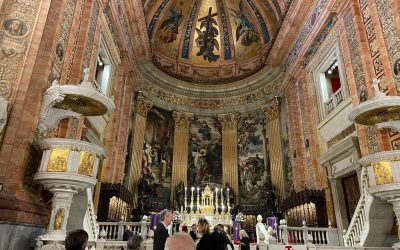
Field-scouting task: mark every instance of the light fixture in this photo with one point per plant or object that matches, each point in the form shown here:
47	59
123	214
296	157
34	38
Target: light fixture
99	61
329	71
1	186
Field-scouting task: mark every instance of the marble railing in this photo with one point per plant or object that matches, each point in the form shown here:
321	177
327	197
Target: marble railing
358	223
115	230
312	235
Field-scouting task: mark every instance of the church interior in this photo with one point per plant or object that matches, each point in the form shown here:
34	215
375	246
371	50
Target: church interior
111	111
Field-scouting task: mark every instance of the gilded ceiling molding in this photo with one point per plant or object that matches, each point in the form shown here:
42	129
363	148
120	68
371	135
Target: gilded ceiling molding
182	120
154	76
211	104
272	109
229	122
142	105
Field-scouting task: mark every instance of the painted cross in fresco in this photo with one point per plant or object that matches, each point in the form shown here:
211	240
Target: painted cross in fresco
206	39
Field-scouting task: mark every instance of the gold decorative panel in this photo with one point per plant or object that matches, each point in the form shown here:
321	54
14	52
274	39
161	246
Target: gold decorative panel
58	220
86	162
383	173
58	160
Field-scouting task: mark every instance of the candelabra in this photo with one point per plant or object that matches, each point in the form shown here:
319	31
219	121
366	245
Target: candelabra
216	200
198	200
228	203
222	201
191	201
185	204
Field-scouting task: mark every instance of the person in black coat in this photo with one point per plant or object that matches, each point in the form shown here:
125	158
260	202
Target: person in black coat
206	242
193	232
244	240
127	233
161	232
219	240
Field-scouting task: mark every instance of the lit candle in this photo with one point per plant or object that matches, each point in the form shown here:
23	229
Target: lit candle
216	192
192	190
185	190
198	189
221	191
228	193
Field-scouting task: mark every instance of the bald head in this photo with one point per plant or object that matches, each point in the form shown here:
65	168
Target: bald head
179	241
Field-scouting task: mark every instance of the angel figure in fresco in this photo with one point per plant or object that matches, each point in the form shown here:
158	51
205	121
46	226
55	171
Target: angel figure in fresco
171	24
245	30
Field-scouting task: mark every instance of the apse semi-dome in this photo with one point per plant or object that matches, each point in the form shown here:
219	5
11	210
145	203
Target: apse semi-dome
210	41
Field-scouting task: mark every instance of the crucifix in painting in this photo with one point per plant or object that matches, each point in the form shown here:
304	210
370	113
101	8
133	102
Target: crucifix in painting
206	39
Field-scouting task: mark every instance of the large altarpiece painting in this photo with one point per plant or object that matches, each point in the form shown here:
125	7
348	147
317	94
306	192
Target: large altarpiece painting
252	148
155	182
205	152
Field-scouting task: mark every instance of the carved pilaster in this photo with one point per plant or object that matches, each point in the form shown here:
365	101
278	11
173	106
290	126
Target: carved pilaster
272	109
230	174
272	112
142	105
181	149
229	122
182	120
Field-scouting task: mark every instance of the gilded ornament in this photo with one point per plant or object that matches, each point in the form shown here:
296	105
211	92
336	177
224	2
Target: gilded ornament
142	105
229	122
58	220
182	120
58	160
383	172
272	110
86	162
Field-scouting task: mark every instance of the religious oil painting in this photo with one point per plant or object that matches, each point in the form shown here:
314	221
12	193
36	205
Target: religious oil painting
205	152
155	182
253	166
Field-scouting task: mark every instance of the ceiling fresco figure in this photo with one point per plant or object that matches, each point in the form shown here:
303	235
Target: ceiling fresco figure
245	30
206	39
171	24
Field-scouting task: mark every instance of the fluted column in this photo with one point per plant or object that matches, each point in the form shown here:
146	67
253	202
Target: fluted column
272	113
181	150
230	173
141	107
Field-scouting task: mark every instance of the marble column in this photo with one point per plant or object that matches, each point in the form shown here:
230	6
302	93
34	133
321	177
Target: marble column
230	173
141	107
181	150
272	113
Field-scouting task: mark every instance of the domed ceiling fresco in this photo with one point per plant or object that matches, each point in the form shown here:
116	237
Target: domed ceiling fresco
211	41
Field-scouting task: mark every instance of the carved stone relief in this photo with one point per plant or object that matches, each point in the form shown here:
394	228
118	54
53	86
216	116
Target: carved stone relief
17	22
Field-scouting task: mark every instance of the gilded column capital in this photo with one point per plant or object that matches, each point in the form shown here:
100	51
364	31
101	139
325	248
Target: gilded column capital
272	109
182	120
229	122
142	105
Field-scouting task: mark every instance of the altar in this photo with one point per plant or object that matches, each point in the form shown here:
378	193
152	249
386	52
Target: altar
207	204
